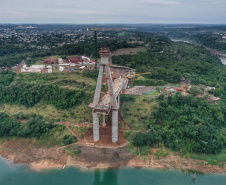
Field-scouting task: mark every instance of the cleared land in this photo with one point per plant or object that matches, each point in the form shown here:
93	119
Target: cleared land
137	111
127	51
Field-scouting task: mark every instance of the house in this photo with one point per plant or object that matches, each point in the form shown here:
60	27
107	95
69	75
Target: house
213	99
209	88
61	68
171	90
82	67
75	60
200	95
49	69
85	58
179	89
60	61
72	64
64	65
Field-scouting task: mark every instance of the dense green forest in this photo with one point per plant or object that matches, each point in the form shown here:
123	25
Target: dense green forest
213	41
170	62
187	124
29	95
6	77
36	127
30	89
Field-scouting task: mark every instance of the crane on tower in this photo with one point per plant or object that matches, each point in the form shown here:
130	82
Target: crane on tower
95	29
95	41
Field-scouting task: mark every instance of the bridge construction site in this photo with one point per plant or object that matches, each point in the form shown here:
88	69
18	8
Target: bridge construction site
116	78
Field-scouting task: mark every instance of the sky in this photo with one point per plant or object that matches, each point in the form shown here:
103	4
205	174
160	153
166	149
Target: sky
113	11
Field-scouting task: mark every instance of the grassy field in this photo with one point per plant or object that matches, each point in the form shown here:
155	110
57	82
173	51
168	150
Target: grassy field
211	159
53	138
67	80
80	113
138	111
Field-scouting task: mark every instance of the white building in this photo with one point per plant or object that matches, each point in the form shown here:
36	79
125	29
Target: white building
33	68
85	58
82	67
60	61
64	65
61	68
72	64
49	69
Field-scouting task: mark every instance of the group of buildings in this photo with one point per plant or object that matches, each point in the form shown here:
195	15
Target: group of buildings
75	64
64	65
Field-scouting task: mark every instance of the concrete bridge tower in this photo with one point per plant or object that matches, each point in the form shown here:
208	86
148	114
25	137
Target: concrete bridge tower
109	102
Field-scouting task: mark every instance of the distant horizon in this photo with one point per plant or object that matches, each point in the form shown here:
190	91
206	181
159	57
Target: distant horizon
115	23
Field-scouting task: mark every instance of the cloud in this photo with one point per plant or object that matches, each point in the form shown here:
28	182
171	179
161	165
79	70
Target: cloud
12	12
162	2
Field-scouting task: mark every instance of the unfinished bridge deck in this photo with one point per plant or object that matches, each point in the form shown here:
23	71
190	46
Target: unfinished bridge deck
104	104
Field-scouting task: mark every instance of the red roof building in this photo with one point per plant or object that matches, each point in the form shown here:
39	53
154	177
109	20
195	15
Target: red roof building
75	60
179	88
48	61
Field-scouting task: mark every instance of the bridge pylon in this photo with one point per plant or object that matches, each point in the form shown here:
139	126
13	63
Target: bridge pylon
107	103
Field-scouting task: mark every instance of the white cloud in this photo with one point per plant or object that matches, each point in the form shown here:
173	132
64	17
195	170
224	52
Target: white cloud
12	12
162	2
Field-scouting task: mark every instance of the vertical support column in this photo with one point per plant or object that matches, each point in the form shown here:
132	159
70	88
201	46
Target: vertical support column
98	86
118	100
104	124
114	126
95	127
111	88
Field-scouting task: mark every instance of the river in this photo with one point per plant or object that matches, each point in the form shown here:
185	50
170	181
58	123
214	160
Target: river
223	59
17	174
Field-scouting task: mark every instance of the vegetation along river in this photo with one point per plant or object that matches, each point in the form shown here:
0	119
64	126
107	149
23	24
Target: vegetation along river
16	174
223	59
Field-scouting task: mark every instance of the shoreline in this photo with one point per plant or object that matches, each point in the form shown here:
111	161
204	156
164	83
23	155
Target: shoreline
38	158
136	162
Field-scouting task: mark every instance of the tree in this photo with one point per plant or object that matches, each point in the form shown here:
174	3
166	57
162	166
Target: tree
218	92
139	139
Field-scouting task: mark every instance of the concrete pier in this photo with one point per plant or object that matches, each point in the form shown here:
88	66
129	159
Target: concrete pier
114	126
104	124
95	127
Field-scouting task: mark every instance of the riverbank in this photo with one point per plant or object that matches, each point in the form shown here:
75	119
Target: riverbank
91	157
212	51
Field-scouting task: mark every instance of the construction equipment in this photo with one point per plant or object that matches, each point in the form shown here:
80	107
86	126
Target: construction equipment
95	41
95	37
132	75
